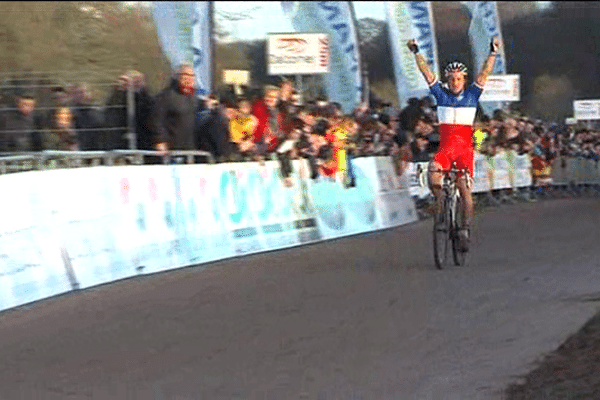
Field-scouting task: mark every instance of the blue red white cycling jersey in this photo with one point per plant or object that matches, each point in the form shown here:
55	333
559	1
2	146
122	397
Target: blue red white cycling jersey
456	114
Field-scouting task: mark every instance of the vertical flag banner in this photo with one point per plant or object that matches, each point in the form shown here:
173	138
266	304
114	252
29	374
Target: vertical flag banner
183	28
485	24
344	80
201	45
411	20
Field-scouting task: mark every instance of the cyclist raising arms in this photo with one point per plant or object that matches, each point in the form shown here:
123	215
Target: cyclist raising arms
456	107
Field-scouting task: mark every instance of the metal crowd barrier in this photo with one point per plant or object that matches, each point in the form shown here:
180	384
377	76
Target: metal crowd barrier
575	176
53	159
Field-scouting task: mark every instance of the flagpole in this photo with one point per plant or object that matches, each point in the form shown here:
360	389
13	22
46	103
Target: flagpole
364	75
212	85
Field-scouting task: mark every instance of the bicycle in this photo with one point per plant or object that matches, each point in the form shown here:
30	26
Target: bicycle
449	221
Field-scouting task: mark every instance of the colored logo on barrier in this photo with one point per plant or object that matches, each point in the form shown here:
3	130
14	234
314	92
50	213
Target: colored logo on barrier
331	201
262	195
360	199
169	215
152	189
125	191
233	196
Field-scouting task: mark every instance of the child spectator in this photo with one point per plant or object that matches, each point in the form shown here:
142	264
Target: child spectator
241	129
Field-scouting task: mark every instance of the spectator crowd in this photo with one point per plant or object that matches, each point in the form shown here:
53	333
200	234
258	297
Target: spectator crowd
268	123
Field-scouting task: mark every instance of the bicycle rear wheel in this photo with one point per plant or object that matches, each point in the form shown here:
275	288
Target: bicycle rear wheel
441	235
457	218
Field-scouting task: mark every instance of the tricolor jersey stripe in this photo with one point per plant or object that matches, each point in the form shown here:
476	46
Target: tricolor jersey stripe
456	113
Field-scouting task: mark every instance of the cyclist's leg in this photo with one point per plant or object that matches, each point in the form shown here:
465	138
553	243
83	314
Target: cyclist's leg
466	160
467	202
440	161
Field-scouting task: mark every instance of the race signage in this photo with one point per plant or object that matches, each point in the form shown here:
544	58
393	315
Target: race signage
586	109
297	53
502	88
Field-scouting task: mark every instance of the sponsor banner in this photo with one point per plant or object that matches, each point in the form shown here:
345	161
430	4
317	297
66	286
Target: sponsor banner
485	24
302	206
342	212
208	237
144	196
31	265
502	171
570	121
173	20
235	183
586	109
260	213
201	46
335	19
574	173
501	175
417	177
394	204
297	53
269	203
119	222
522	171
411	20
183	28
502	88
84	221
561	170
484	172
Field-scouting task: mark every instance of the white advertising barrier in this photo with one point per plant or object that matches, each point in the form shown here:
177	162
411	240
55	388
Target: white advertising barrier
31	265
501	172
590	172
560	171
83	217
393	203
69	229
342	212
297	53
417	176
483	173
522	171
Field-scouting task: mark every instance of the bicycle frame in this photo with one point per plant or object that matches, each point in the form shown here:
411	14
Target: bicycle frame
449	216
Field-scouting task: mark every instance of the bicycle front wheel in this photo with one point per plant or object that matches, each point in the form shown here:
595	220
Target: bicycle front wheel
441	235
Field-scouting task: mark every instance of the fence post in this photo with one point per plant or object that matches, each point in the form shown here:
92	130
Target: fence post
131	134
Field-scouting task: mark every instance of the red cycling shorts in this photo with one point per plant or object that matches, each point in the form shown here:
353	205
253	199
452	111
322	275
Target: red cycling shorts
458	152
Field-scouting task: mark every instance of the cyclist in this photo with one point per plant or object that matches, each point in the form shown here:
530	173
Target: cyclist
456	107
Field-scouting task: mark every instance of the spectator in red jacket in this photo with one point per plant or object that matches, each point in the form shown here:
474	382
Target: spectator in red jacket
267	130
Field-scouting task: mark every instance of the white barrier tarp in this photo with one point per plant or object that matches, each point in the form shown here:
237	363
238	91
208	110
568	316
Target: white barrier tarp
31	266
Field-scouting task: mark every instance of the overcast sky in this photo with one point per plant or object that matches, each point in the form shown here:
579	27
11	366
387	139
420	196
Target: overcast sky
267	17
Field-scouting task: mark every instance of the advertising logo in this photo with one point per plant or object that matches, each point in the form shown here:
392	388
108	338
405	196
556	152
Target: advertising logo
292	45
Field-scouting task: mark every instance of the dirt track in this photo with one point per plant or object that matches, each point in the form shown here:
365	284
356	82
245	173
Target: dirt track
366	317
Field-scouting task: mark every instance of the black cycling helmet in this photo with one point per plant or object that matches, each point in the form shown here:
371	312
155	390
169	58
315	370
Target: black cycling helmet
455	66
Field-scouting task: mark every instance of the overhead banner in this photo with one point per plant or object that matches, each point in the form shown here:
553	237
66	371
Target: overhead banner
183	28
586	109
485	25
502	88
297	53
334	18
411	20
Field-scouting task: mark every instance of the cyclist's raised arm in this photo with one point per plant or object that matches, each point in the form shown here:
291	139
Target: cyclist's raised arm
421	63
488	65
